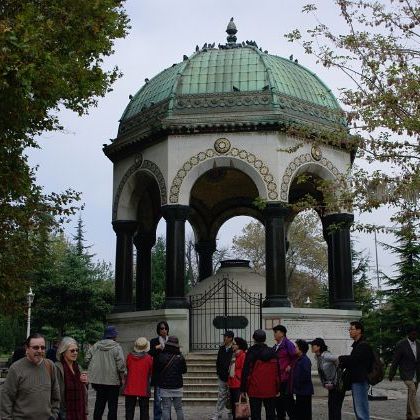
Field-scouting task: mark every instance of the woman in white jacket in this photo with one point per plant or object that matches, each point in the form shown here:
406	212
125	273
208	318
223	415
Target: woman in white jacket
327	369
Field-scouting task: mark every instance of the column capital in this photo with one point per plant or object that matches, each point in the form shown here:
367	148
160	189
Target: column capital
336	221
144	240
206	246
272	210
124	226
175	212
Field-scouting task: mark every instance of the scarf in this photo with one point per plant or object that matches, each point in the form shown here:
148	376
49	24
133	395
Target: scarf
75	393
162	341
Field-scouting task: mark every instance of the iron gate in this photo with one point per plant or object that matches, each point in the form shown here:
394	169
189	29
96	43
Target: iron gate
224	306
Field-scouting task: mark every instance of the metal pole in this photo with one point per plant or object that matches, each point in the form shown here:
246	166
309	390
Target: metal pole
377	266
28	329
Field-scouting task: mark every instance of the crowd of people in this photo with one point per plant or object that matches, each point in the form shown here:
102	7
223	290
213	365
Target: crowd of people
277	377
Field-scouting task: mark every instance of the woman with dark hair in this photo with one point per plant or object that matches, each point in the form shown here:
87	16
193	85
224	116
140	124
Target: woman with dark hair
73	391
170	368
302	382
327	370
239	346
157	345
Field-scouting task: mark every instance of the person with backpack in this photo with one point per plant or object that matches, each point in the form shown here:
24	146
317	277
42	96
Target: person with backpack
359	364
260	377
327	370
286	356
301	382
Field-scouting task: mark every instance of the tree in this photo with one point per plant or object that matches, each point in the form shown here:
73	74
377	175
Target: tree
401	300
158	273
378	52
51	53
72	293
364	295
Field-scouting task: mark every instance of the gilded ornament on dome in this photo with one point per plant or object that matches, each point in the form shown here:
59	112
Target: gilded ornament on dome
222	145
316	153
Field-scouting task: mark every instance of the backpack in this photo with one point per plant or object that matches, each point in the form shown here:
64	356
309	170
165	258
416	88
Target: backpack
377	370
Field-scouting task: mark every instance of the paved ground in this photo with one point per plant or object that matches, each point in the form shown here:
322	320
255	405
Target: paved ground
391	409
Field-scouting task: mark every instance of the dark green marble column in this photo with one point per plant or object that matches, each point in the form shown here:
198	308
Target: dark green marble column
124	230
205	250
175	217
275	256
336	229
144	243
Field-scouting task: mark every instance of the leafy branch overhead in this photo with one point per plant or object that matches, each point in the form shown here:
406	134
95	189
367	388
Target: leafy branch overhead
378	53
51	57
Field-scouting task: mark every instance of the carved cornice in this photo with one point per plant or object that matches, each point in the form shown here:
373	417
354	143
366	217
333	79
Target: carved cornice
145	165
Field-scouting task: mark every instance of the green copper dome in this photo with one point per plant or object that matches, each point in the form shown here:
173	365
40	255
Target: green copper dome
246	69
232	87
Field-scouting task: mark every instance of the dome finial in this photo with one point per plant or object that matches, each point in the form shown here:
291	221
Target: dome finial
231	31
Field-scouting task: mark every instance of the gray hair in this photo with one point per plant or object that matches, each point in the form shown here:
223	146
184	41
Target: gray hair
64	345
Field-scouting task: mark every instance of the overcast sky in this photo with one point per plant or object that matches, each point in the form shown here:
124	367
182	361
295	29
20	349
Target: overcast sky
162	31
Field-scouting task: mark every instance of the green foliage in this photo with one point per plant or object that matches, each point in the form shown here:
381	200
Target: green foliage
158	273
51	53
72	294
364	295
12	332
400	303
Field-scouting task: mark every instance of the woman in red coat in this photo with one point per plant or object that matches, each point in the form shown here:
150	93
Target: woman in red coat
137	384
240	347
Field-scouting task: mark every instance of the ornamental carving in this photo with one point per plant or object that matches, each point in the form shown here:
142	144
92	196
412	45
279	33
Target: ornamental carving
298	162
146	165
242	154
222	145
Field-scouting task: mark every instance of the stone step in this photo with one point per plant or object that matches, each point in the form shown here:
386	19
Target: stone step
200	394
197	380
204	387
211	363
201	371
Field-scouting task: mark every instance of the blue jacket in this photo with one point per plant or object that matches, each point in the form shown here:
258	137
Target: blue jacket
301	376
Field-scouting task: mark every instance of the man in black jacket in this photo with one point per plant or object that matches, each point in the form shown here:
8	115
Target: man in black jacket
407	358
359	364
224	356
157	345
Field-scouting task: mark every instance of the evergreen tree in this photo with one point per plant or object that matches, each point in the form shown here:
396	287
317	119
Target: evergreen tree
158	272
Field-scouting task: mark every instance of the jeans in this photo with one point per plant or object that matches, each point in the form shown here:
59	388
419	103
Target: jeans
359	392
256	405
130	407
166	407
222	396
335	402
106	394
157	404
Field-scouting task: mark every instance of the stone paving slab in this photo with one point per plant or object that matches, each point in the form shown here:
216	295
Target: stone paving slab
391	409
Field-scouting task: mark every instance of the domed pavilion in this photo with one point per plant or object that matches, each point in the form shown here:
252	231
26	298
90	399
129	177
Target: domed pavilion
201	142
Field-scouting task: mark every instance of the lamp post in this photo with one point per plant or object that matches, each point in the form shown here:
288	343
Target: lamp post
30	297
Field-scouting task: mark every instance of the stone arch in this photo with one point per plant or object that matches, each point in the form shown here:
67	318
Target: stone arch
203	161
322	167
125	190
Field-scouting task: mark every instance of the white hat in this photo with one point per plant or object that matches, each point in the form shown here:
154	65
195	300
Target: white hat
141	344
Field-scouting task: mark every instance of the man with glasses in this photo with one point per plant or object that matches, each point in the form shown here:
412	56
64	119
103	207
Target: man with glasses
359	364
31	390
106	369
157	345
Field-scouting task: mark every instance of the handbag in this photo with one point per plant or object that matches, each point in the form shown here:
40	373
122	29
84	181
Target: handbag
242	408
343	380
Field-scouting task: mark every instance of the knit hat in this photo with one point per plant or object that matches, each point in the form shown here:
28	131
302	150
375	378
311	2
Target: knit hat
259	336
110	332
141	344
172	341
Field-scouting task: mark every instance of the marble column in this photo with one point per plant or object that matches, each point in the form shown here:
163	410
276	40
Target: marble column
275	256
175	216
205	250
124	230
144	243
336	229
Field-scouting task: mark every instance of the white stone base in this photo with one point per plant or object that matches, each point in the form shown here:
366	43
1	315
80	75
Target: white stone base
308	323
131	325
